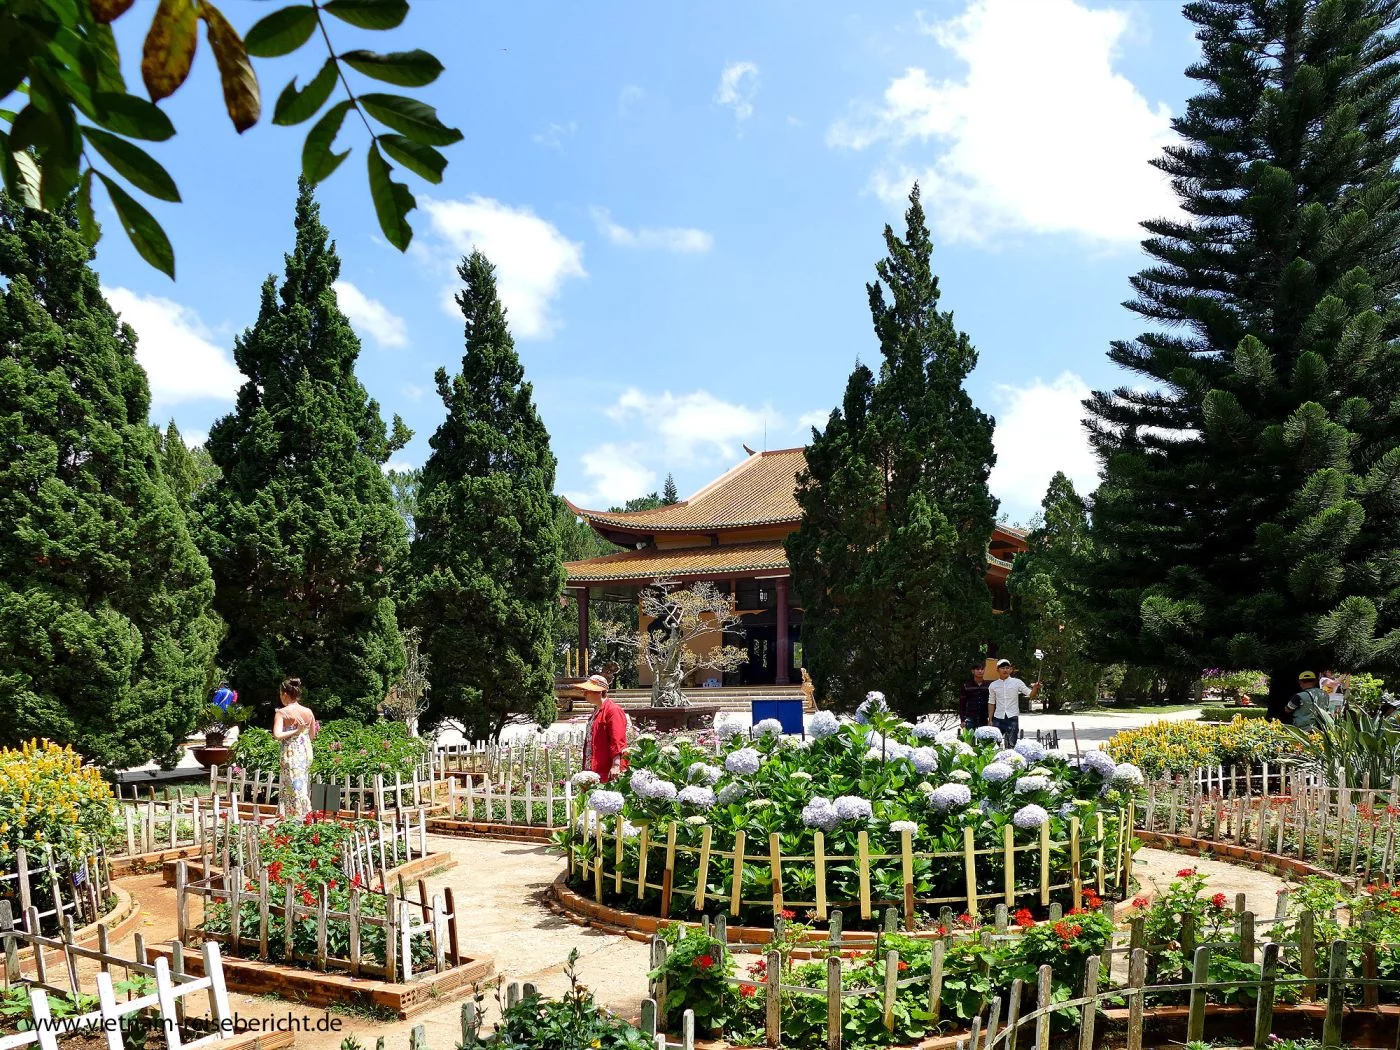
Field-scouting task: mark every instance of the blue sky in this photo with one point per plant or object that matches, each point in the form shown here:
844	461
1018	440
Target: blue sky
684	204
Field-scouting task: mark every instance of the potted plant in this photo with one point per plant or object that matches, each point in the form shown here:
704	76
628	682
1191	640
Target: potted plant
219	716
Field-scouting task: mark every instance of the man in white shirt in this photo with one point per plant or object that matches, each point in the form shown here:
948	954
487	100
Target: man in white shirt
1004	701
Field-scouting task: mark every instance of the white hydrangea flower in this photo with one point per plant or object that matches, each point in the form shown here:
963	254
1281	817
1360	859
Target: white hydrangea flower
823	724
1031	816
743	762
947	736
998	773
767	727
731	792
925	787
901	826
853	807
697	796
1127	775
800	775
950	796
926	731
704	773
1027	785
1011	758
585	780
670	751
960	774
988	734
697	821
925	759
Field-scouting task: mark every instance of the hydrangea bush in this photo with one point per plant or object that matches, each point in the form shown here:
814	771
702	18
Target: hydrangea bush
879	776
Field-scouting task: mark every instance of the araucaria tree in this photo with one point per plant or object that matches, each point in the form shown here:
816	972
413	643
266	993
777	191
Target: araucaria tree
486	573
301	528
1249	514
889	563
107	633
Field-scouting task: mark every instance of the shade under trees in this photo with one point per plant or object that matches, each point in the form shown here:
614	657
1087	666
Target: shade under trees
302	529
889	563
486	572
1249	514
106	621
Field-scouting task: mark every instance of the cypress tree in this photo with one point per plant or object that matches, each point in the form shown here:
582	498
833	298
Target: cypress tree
486	568
179	465
669	493
107	634
889	563
1248	511
301	527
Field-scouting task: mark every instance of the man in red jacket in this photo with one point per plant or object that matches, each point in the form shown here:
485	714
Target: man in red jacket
605	739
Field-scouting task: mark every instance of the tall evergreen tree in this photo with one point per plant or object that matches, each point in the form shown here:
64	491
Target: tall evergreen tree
1048	602
1249	514
889	563
486	568
301	528
669	493
181	469
107	633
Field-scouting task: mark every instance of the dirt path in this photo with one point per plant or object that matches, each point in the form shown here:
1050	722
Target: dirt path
1157	868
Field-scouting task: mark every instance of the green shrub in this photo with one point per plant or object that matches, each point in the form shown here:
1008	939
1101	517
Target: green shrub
1226	714
49	798
344	747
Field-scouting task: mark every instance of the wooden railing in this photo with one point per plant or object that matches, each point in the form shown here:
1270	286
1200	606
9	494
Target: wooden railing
556	759
166	1002
377	794
49	890
512	802
1070	858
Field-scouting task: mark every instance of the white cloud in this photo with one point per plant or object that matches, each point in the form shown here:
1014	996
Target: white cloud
372	316
816	418
694	428
738	84
398	464
1040	134
176	350
678	239
554	136
1039	431
616	474
532	258
194	438
413	391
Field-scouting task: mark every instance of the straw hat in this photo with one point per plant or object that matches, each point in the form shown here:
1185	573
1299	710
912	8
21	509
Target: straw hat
594	684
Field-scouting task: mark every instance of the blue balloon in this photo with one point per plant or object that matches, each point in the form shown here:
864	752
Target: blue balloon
225	697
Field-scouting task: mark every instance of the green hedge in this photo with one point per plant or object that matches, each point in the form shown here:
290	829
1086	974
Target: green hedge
1226	714
344	747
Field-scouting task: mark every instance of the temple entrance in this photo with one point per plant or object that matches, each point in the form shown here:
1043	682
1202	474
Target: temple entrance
761	643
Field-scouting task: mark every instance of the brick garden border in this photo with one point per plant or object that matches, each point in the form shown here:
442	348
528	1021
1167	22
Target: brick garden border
1273	863
315	988
538	834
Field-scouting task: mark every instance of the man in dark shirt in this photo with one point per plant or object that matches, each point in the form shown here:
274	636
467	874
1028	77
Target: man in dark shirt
972	700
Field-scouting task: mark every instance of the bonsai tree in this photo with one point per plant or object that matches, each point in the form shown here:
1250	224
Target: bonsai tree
407	699
674	619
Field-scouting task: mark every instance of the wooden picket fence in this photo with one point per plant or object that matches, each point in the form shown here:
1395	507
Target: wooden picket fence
371	855
1261	779
512	802
555	759
151	826
48	889
1121	971
166	1003
360	795
1069	857
1349	830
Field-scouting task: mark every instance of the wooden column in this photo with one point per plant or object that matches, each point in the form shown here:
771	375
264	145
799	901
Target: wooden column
583	630
784	656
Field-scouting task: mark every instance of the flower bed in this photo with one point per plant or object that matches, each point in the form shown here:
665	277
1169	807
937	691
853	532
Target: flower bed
1182	747
343	748
49	798
859	816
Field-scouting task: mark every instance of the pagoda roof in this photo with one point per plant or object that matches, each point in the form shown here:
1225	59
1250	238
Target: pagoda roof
736	559
758	491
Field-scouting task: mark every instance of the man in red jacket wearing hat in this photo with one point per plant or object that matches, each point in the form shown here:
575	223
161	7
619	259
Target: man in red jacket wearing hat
605	739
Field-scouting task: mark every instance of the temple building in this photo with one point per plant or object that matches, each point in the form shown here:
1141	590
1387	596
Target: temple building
731	533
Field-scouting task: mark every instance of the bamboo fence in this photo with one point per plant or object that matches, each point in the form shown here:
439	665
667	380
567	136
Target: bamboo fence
172	985
512	802
1348	830
1074	857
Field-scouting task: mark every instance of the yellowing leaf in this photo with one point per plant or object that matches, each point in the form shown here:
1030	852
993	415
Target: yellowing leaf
169	48
241	96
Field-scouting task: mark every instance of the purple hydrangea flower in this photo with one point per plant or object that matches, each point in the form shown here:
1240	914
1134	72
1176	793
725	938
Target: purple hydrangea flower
726	728
820	814
853	807
1031	751
605	803
1030	817
1011	758
697	796
1097	762
950	796
1126	775
646	784
874	703
823	724
998	773
743	762
925	759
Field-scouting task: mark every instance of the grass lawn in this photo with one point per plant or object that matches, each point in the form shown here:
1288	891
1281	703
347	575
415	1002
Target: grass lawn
1135	709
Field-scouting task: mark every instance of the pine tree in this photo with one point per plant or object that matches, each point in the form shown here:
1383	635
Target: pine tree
669	494
1248	511
1048	602
179	465
889	563
301	528
486	568
107	634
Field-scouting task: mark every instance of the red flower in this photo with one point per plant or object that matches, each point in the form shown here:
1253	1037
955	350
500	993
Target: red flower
1140	902
1092	900
704	962
316	839
759	967
902	966
965	919
942	930
1024	919
357	881
1185	873
788	913
748	991
274	871
1220	900
313	863
307	899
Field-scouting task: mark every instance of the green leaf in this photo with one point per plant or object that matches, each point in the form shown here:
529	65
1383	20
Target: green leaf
133	164
87	222
142	229
281	32
294	106
418	120
392	200
417	158
368	14
317	160
22	175
133	117
169	49
405	68
242	100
